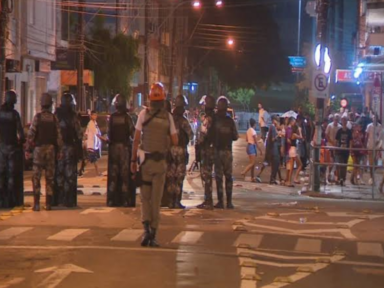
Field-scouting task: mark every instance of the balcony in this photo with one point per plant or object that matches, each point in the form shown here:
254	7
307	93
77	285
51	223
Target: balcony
376	39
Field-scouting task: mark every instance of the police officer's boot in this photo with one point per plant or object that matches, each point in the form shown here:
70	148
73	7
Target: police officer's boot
178	204
220	204
48	202
36	203
171	201
207	204
153	242
229	201
147	234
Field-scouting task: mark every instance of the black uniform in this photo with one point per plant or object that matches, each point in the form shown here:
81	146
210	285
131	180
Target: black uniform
11	157
121	188
66	168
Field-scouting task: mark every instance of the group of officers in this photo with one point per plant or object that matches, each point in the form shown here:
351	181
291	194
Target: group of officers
152	154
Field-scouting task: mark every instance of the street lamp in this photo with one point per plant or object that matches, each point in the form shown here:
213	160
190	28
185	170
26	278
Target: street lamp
219	3
196	4
230	42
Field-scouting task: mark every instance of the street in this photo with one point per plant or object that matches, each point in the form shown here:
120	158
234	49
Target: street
274	238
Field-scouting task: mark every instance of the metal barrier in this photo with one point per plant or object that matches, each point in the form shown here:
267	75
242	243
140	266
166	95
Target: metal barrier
315	167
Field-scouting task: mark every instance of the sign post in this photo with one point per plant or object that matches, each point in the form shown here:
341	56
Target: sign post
320	85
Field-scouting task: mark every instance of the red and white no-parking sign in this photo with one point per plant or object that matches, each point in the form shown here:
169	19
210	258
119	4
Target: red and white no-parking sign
320	85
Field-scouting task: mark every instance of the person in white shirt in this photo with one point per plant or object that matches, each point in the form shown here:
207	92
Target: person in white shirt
373	141
263	122
252	144
93	141
330	134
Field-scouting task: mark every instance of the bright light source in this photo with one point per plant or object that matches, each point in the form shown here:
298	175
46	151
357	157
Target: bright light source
327	59
196	4
230	42
358	72
219	3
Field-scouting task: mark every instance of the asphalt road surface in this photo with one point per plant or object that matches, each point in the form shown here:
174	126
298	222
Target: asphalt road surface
272	239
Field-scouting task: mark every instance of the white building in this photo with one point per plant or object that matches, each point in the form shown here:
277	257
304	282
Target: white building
31	43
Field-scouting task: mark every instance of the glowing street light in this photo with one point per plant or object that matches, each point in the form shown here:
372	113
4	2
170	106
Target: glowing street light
219	3
230	42
196	4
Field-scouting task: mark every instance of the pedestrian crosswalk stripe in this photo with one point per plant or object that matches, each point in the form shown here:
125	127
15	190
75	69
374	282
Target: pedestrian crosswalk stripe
67	234
370	249
12	232
188	237
252	240
128	235
308	245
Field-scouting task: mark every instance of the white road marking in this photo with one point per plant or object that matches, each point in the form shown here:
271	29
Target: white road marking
11	282
252	240
248	284
345	232
188	237
345	214
370	249
170	212
12	232
98	210
59	274
308	245
276	256
128	235
67	234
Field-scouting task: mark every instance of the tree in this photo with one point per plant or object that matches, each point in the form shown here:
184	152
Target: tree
243	96
114	59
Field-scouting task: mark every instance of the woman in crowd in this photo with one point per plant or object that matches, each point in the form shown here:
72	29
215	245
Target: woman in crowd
252	146
357	143
292	135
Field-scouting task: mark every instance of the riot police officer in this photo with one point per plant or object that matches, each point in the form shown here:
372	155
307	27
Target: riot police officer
11	153
44	138
178	155
225	133
205	142
120	192
153	129
66	169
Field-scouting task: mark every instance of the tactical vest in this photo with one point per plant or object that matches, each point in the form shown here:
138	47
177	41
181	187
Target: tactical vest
46	129
8	126
67	126
119	128
182	135
223	132
156	134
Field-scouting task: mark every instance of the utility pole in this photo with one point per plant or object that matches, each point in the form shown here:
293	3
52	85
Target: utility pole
117	17
183	51
322	7
173	44
3	25
80	58
146	49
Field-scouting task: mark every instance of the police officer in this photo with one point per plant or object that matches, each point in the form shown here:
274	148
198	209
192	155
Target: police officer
225	134
66	169
178	155
120	135
11	153
44	138
205	142
153	129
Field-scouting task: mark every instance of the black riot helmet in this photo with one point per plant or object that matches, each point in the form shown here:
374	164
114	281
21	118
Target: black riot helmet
222	103
119	101
68	100
181	101
46	100
11	97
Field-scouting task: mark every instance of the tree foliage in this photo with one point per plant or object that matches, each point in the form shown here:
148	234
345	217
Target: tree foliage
243	96
113	58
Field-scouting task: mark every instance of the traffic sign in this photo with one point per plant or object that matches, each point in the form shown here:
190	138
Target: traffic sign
320	85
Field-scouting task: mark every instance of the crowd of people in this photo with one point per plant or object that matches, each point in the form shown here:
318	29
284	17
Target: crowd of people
346	137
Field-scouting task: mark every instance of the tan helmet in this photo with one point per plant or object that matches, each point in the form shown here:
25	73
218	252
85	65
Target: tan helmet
157	92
